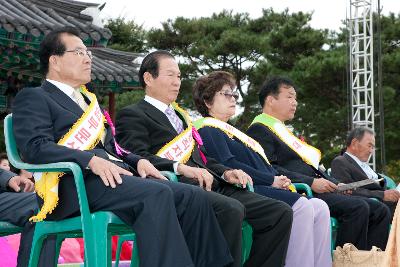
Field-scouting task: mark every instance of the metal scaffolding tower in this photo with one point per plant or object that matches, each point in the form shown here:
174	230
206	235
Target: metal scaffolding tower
361	66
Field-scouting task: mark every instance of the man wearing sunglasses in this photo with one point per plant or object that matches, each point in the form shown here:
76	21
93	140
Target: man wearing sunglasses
158	129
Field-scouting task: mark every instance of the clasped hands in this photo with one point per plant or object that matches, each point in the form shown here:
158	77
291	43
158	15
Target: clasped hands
205	179
110	173
281	182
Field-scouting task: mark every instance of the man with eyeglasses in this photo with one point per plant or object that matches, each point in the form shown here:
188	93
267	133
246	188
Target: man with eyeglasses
159	130
61	121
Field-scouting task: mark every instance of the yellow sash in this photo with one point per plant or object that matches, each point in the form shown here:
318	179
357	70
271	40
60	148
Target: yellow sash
232	131
84	135
309	154
181	147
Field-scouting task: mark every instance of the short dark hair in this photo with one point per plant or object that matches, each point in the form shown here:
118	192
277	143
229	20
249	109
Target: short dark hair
3	156
271	86
357	133
52	45
150	64
205	88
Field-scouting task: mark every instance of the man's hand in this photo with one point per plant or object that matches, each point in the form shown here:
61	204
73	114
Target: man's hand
145	168
321	185
16	182
238	177
281	182
108	171
391	195
202	175
347	192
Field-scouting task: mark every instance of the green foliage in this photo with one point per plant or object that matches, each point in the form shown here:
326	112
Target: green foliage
125	99
127	35
223	41
393	170
276	43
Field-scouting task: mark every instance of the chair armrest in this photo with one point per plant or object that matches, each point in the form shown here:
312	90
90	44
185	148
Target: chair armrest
301	187
170	175
390	184
49	167
63	167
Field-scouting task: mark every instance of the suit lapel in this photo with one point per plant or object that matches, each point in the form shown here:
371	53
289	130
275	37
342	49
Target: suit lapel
156	115
355	164
61	98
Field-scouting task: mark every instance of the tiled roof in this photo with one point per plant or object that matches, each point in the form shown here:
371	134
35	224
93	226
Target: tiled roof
23	24
37	17
113	65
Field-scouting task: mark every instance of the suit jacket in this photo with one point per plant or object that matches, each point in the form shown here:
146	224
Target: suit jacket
283	158
144	129
41	117
5	176
347	170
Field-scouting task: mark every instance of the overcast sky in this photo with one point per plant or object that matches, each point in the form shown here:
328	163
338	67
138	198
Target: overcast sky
327	14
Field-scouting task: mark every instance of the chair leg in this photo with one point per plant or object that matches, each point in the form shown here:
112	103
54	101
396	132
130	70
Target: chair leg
118	252
135	253
102	247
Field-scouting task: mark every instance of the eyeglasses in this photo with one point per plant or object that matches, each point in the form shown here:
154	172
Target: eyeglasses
81	52
228	95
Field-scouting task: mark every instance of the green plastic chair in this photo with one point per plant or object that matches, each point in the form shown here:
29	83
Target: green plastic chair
390	184
96	228
9	229
305	188
121	240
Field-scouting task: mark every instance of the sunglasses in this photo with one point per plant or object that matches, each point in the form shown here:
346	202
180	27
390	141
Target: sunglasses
228	95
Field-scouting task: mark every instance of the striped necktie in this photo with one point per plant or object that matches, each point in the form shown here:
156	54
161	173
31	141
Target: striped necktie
80	100
174	119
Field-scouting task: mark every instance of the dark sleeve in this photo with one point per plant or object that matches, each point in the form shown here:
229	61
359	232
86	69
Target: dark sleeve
344	174
133	135
132	160
34	133
5	176
216	144
340	171
267	141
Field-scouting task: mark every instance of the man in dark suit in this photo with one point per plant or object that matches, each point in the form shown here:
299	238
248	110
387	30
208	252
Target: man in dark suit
145	129
353	166
17	204
43	116
363	221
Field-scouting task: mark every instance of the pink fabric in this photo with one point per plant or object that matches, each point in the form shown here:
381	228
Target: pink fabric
199	142
8	256
13	241
70	251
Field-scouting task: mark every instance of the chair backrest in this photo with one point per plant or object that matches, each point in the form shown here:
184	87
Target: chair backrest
390	184
11	146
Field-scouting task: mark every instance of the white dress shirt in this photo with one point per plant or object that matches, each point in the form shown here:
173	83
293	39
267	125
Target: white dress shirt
365	167
69	91
162	107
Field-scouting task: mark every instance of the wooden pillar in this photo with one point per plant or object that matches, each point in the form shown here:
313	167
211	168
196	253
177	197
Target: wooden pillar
111	105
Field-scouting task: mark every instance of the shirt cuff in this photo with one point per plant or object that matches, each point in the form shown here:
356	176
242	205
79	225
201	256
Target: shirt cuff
175	165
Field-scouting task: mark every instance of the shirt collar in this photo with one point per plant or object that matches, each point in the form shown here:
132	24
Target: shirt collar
157	103
65	88
359	162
